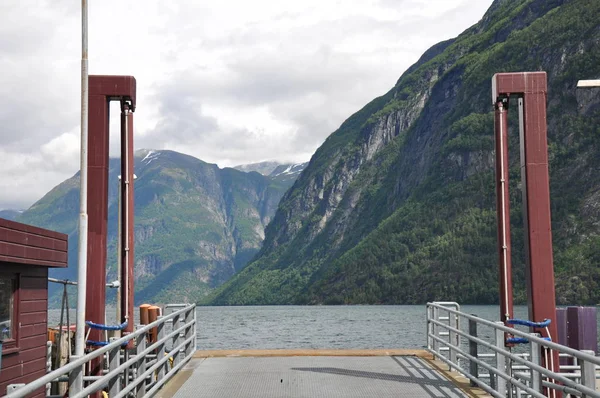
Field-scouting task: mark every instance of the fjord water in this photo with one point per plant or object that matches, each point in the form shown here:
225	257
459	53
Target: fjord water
335	327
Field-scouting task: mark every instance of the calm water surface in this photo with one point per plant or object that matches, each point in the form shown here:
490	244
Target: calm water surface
278	327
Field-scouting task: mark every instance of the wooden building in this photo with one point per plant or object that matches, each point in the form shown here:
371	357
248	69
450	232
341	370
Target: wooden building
26	254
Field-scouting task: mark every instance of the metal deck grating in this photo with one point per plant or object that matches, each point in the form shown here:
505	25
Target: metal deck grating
314	377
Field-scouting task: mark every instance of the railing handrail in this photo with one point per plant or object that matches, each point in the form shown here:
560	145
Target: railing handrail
531	365
101	383
504	357
49	377
550	344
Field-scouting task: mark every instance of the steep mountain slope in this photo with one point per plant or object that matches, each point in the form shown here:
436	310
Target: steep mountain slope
196	224
397	206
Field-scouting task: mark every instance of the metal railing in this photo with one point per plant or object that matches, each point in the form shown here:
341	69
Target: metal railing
141	371
514	372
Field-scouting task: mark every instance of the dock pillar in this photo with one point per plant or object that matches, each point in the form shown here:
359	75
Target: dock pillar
102	90
530	90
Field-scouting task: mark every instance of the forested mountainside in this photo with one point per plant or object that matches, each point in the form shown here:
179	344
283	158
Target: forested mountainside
397	206
195	224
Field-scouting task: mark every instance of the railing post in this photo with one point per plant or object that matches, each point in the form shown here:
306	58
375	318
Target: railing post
195	330
535	356
141	364
435	327
588	373
176	340
189	315
500	361
429	329
160	352
49	364
473	367
454	338
75	378
114	360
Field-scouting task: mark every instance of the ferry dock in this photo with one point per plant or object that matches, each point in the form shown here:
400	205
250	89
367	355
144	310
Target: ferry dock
316	373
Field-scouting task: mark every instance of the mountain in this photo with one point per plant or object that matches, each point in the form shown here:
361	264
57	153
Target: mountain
9	214
397	206
288	172
196	224
264	168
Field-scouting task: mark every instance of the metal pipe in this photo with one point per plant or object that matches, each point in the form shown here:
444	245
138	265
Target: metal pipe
503	211
516	332
480	383
148	372
62	281
78	362
101	383
527	377
491	369
97	385
113	284
119	252
541	369
83	191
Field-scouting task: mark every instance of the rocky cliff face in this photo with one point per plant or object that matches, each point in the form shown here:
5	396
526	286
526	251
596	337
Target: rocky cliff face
196	224
398	204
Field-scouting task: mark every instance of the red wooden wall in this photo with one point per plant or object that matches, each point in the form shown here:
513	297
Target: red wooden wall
26	252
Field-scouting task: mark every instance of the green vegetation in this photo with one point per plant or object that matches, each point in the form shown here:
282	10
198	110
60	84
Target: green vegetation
195	224
416	221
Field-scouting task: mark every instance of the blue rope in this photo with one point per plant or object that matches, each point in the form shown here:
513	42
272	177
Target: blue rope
96	343
522	340
106	327
522	322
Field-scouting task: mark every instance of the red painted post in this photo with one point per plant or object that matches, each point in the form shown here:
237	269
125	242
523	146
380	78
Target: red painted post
102	89
97	210
531	89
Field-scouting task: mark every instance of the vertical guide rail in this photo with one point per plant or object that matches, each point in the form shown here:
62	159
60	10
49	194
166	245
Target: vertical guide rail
503	209
77	376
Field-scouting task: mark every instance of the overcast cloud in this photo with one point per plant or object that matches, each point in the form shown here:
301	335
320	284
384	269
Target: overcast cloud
229	82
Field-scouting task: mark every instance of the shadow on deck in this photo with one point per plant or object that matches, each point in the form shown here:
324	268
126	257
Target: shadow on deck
315	373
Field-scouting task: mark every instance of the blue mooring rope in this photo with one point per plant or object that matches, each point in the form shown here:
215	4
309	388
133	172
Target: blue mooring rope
99	326
531	324
522	340
96	343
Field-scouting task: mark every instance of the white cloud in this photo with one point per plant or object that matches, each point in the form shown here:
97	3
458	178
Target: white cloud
229	82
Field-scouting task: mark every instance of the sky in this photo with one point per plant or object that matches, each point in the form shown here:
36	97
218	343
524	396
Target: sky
229	82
